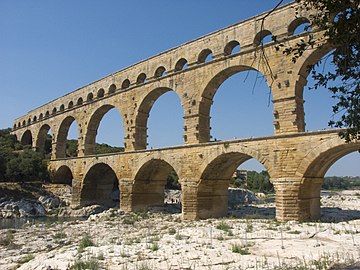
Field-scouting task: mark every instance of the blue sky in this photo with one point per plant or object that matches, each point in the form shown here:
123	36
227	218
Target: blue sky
50	48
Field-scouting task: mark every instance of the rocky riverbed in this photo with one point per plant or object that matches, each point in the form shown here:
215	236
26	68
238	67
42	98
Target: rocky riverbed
248	239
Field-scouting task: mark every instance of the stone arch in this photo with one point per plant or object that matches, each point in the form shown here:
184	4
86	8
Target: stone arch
47	114
95	119
61	139
259	37
112	89
100	186
181	64
229	48
63	175
62	107
100	93
41	116
54	110
24	123
29	121
203	55
209	92
125	84
160	72
34	118
42	138
142	115
80	101
149	184
26	138
296	23
312	170
141	78
70	105
89	97
212	190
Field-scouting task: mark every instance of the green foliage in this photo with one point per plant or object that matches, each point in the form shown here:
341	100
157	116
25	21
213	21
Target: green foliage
91	264
71	148
223	226
26	259
106	149
339	21
172	182
27	166
236	248
85	242
259	182
341	183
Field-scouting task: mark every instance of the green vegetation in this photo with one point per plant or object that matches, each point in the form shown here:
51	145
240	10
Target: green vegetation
26	259
85	242
236	248
223	226
18	162
341	183
172	182
91	264
7	239
256	182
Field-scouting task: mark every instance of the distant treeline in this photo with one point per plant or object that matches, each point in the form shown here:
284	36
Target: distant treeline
341	182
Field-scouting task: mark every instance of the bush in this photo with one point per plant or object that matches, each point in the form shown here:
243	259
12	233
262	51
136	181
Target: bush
92	264
85	242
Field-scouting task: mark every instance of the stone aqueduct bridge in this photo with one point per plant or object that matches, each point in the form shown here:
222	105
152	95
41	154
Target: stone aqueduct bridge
296	160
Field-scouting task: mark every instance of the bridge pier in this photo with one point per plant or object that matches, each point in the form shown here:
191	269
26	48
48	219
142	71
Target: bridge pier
297	198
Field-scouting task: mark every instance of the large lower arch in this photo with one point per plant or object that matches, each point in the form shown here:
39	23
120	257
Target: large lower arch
100	186
315	169
62	136
43	139
212	190
149	184
207	97
143	116
63	175
26	138
91	132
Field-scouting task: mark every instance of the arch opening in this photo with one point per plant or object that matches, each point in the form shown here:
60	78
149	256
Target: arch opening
100	93
298	26
263	37
244	98
232	47
112	89
102	135
63	176
44	141
125	84
70	105
181	64
67	140
100	187
90	97
152	133
141	78
220	183
160	72
80	101
205	56
337	162
151	183
62	107
26	138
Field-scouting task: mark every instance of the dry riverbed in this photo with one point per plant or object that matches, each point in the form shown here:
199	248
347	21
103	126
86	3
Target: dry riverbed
253	240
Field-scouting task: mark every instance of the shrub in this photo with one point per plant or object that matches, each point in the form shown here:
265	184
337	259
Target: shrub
85	242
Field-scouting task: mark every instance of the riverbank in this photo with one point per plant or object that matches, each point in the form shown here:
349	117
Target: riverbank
254	240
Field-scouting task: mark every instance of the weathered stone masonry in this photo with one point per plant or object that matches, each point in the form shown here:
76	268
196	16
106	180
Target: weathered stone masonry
296	160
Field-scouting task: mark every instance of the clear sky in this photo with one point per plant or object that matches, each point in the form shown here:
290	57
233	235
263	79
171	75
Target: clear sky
50	48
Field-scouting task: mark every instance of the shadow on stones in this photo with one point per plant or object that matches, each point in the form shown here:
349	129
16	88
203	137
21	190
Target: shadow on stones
334	214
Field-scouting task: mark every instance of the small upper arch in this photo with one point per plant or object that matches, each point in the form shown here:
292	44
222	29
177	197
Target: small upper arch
34	118
62	107
29	121
205	56
90	97
160	72
54	110
47	114
100	93
112	89
181	64
262	37
70	105
141	78
80	101
41	116
231	47
125	84
295	24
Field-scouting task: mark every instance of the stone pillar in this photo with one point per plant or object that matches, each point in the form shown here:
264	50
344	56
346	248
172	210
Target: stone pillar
125	187
76	193
189	199
309	198
287	198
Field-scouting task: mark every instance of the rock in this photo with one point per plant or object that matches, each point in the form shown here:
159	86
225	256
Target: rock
49	201
238	196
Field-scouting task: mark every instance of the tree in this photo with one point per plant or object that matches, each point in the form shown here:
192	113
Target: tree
339	20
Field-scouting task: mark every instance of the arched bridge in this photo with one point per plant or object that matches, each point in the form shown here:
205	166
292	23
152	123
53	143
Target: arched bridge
296	160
